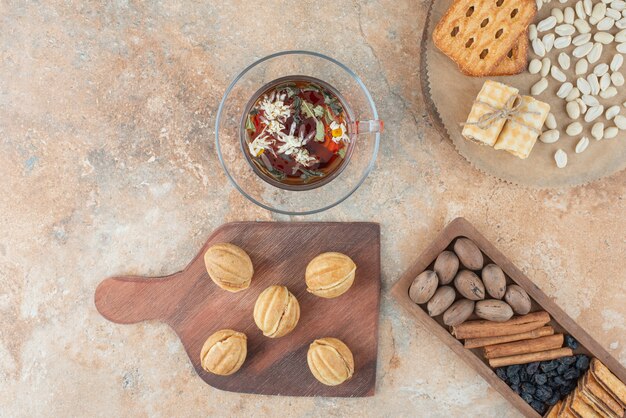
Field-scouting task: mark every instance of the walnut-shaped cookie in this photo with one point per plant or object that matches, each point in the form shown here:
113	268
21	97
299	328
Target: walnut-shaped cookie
224	352
330	275
330	361
276	311
229	267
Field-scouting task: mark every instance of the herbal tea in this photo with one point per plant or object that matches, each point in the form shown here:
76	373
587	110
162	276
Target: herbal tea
296	133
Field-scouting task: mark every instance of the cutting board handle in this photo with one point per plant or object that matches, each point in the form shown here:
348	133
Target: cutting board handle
131	299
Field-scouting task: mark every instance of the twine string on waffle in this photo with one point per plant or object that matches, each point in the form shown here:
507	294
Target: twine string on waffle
511	108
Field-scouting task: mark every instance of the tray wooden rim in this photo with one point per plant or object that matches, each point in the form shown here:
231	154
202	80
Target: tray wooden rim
461	227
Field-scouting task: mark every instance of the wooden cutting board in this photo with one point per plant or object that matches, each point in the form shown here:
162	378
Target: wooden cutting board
194	307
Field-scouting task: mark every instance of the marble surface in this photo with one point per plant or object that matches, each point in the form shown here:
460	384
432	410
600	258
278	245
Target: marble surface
108	167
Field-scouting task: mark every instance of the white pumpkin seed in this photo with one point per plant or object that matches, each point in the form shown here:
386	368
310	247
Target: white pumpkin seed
564	60
601	69
609	93
548	41
539	87
621	24
564	90
618	5
620	122
599	11
569	15
605	24
597	130
613	14
611	132
538	47
590	100
558	14
546	24
581	105
582	65
557	74
611	112
534	66
551	121
582	26
545	66
573	110
593	113
583	86
532	32
574	128
617	79
595	53
573	95
580	10
579	51
581	39
582	145
621	48
605	81
594	83
565	29
603	37
550	137
562	42
616	62
560	157
620	36
587	6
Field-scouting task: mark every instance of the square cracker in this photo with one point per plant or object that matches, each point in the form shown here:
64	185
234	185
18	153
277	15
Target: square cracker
477	34
600	397
609	381
515	61
554	411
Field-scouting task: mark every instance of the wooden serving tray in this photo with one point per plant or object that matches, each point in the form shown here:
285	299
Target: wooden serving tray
561	322
194	307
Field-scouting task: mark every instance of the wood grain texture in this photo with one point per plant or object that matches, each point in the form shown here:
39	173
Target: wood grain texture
195	307
561	322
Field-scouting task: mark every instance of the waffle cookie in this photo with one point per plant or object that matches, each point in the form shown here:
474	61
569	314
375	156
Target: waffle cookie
519	134
478	34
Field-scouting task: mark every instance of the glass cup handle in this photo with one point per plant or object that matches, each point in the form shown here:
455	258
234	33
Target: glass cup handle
368	126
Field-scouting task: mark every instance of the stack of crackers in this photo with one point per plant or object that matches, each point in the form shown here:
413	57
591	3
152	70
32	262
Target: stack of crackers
599	394
486	37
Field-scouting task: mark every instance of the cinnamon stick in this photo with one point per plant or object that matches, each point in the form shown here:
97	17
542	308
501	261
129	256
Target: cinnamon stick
524	347
531	357
482	342
516	325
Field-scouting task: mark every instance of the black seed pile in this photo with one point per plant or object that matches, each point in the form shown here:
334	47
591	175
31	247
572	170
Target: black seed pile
543	384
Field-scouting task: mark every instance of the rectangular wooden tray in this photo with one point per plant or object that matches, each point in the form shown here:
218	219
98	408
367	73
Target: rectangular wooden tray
560	320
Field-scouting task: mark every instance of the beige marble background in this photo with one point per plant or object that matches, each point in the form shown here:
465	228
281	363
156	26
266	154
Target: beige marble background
107	166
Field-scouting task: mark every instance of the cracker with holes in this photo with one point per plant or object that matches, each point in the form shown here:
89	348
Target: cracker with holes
478	34
515	61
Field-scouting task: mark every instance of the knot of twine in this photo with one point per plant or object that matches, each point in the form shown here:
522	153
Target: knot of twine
510	109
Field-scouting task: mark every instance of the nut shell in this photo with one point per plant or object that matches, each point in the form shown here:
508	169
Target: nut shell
330	275
229	267
494	281
423	287
446	266
518	299
224	352
276	311
459	312
469	285
469	254
493	310
330	361
441	300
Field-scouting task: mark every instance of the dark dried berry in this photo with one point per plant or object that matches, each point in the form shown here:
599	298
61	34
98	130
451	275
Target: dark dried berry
552	373
562	368
547	366
513	370
571	374
540	379
501	372
538	406
532	368
516	389
565	390
554	398
543	393
582	362
527	397
514	380
528	387
569	360
571	342
523	375
559	381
